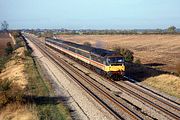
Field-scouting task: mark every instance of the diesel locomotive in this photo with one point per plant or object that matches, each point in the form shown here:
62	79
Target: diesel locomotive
109	62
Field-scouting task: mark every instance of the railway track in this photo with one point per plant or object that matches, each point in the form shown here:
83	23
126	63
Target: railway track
151	91
165	101
141	95
145	97
118	110
165	105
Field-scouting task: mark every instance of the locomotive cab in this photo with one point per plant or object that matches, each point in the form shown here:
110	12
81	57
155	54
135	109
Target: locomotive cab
115	65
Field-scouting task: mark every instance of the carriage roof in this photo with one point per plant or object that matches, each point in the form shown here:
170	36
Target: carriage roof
97	51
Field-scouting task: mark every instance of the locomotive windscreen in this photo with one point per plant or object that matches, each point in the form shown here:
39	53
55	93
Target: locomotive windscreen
115	60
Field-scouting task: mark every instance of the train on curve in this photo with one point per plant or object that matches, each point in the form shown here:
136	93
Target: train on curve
108	62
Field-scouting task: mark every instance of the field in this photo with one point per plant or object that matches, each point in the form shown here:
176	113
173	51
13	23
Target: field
4	38
157	51
160	51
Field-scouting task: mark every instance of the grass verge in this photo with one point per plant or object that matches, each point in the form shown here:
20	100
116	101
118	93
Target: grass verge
24	94
169	84
40	92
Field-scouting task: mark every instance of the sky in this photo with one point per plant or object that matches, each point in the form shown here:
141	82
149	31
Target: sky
90	14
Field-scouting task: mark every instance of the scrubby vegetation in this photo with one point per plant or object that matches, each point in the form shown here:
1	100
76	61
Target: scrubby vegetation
10	92
3	61
9	48
4	58
19	39
16	34
12	88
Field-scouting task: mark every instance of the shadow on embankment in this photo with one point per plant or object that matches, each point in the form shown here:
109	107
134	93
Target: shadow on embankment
141	72
41	100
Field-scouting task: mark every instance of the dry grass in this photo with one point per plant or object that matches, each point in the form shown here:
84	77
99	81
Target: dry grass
18	111
27	97
167	83
14	69
148	48
11	95
4	39
42	94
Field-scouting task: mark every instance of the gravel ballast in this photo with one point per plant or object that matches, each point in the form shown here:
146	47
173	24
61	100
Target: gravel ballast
81	105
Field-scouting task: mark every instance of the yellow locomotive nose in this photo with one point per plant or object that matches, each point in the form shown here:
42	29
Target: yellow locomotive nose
115	68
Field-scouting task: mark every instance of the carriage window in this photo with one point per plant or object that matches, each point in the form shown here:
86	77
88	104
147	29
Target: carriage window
97	59
83	53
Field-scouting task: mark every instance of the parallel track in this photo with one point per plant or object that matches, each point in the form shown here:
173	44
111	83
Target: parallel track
154	97
145	100
102	97
151	91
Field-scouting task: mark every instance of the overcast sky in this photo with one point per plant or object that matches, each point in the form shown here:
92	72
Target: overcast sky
93	14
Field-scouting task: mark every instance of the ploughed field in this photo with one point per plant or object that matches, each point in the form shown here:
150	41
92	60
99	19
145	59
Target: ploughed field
4	39
160	51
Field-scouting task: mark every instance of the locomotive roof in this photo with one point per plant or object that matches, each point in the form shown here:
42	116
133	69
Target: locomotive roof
97	51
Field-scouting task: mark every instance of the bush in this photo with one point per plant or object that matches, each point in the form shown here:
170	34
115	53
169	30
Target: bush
9	92
4	88
9	48
3	61
16	34
87	44
28	53
19	43
127	54
5	85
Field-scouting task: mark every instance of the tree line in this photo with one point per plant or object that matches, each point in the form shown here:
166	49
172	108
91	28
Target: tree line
49	33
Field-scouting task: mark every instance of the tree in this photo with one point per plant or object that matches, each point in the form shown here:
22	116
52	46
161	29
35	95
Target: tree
16	34
4	26
172	29
9	48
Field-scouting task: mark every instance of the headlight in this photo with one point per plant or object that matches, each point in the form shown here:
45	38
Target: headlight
120	60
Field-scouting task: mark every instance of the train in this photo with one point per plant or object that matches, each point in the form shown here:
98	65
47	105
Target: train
109	62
